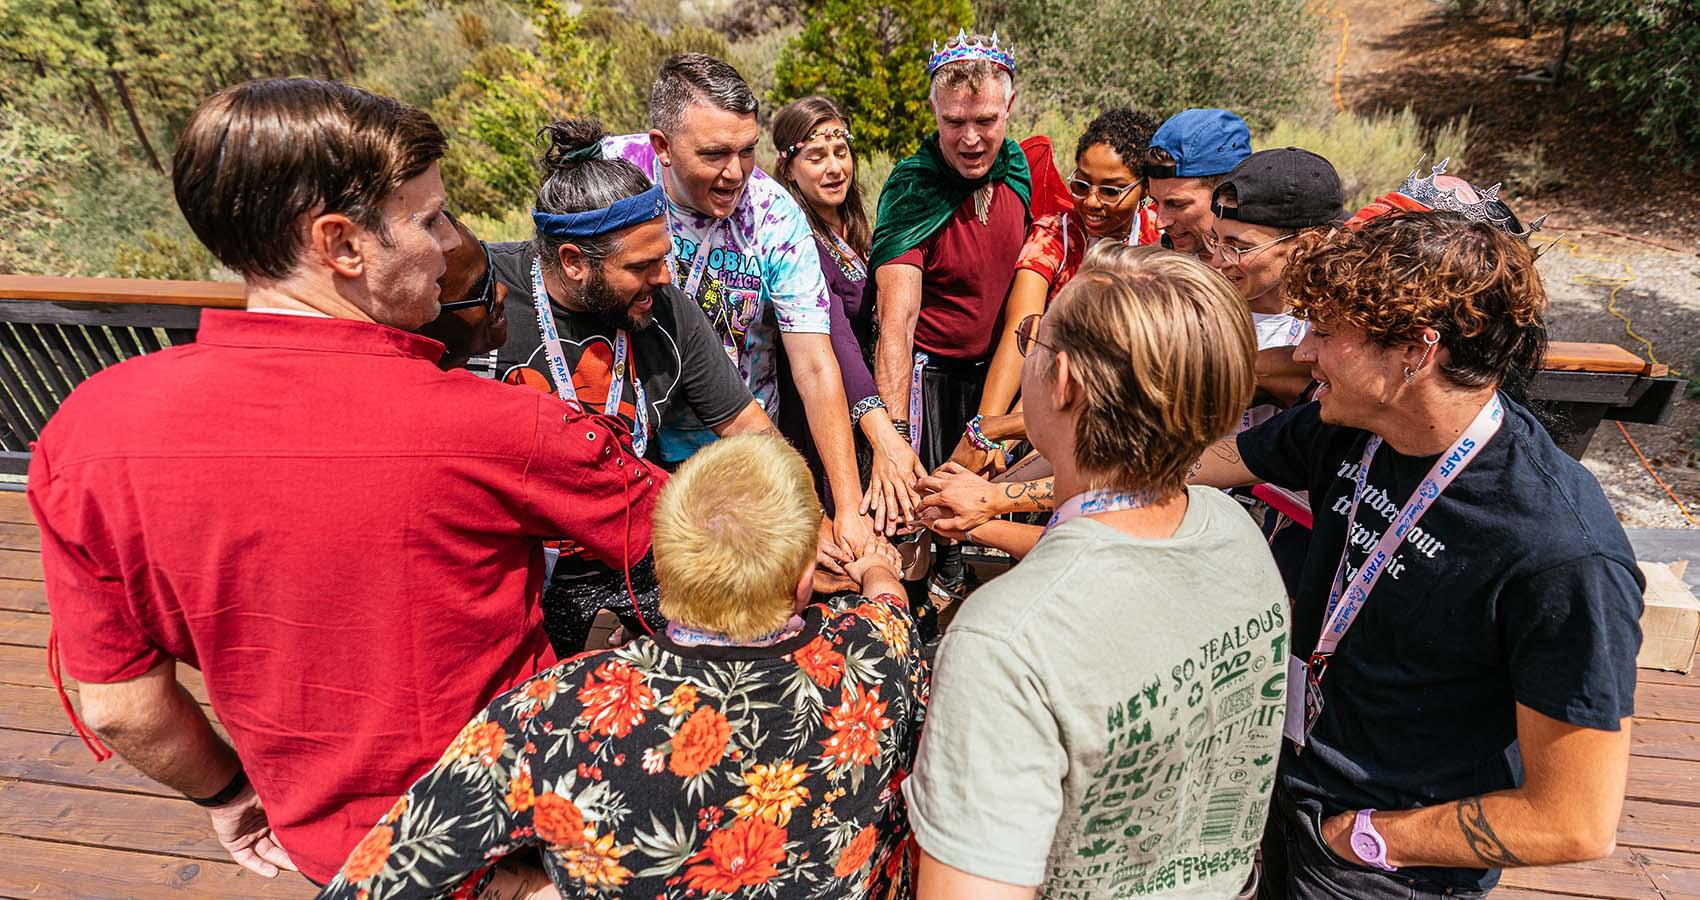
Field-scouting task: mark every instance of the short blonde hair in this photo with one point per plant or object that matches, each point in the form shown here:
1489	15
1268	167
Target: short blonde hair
1163	353
734	530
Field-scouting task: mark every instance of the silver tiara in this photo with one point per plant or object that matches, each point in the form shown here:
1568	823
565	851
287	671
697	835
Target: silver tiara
1425	191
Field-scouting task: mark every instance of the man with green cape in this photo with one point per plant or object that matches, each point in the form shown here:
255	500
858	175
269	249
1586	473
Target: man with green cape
952	220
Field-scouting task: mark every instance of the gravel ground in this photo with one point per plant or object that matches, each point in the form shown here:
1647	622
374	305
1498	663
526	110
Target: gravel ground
1661	298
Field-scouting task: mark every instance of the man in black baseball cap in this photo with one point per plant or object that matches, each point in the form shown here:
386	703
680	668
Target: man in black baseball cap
1267	201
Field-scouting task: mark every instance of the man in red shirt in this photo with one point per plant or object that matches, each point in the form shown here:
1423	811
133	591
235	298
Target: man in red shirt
344	539
952	220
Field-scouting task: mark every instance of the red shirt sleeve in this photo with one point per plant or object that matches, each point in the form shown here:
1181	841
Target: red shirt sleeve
1043	251
583	483
100	639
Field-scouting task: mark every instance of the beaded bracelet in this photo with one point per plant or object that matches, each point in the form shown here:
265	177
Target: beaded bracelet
902	426
978	438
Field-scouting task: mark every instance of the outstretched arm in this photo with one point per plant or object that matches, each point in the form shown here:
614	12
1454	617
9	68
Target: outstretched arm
894	353
1221	466
1566	811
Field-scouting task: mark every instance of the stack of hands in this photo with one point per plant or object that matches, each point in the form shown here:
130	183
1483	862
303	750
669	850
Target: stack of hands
950	502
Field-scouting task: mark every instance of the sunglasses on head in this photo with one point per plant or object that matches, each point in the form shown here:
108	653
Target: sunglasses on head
483	293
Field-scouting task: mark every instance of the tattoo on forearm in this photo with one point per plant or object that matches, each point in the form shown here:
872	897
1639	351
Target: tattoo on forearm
1472	820
1227	451
1032	496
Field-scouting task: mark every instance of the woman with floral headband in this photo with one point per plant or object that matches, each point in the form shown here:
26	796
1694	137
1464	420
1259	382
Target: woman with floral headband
817	164
1109	202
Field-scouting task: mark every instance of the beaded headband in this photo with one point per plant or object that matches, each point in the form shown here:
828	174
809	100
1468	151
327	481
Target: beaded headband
809	138
962	47
1425	191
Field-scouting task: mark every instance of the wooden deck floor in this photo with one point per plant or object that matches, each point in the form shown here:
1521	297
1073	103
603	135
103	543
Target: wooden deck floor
71	827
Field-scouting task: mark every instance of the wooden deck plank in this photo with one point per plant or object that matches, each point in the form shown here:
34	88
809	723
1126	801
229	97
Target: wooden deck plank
174	827
34	708
24	629
1666	781
24	595
62	759
23	565
1668	702
1670	740
1659	826
19	537
35	868
15	508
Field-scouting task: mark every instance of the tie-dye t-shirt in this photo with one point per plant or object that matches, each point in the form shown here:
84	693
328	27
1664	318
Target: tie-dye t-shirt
762	277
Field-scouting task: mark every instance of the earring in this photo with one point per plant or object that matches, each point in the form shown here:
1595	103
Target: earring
1410	376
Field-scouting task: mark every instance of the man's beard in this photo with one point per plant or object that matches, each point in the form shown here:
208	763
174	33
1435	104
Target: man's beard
613	310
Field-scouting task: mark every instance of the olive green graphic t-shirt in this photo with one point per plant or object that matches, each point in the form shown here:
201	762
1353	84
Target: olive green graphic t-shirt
1106	717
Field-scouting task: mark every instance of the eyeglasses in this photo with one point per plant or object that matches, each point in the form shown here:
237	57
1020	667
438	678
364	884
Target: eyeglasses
1232	255
1079	188
483	293
1027	334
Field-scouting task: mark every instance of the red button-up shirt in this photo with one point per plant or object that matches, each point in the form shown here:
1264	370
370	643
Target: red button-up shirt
341	537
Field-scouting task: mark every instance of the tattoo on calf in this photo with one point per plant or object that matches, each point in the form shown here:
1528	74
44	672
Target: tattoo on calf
1472	820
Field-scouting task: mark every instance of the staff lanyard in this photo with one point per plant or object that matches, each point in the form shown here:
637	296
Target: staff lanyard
1090	503
564	376
1346	599
699	265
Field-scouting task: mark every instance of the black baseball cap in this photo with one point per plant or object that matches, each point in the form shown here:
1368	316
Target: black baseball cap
1284	188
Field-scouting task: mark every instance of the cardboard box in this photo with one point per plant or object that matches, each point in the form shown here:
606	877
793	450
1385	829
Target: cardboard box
1670	621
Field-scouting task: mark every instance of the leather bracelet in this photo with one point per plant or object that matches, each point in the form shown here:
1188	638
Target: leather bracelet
902	426
236	786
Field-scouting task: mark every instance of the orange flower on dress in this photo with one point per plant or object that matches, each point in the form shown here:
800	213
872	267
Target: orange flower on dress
615	698
855	854
557	820
368	856
683	698
700	743
820	662
596	862
773	792
482	741
543	689
744	854
396	811
856	724
519	796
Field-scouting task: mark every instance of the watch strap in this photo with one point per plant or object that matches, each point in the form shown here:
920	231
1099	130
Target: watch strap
237	784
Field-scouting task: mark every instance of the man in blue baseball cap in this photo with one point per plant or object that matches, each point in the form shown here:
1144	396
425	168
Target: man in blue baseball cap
1188	157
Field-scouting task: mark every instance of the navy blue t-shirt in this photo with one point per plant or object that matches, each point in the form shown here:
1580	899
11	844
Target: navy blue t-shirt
1517	586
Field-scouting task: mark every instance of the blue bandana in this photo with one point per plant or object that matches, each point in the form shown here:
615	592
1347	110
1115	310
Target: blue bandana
624	213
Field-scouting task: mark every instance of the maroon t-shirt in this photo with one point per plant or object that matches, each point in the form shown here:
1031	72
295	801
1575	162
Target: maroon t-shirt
966	269
342	538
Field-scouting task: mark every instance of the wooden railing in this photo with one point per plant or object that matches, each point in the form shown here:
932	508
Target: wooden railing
55	332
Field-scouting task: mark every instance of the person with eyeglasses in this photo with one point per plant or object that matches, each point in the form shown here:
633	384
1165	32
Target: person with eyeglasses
472	327
1110	201
1269	206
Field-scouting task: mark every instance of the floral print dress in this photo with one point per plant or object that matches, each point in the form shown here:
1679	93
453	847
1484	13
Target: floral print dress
668	771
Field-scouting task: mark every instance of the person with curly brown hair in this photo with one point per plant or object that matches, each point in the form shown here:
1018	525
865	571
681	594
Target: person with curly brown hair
1467	620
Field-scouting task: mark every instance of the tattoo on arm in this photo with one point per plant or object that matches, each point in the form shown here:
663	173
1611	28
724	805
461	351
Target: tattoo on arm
1228	451
1031	496
1472	820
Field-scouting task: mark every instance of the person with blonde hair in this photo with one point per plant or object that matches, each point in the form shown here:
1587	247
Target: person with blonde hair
750	748
1107	714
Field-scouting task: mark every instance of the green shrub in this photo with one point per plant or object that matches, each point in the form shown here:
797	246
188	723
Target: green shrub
871	57
33	159
1373	154
1260	59
1653	68
162	255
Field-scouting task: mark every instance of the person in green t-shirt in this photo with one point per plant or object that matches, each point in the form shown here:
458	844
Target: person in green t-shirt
1106	717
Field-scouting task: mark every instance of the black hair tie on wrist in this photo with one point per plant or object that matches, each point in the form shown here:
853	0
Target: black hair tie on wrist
237	785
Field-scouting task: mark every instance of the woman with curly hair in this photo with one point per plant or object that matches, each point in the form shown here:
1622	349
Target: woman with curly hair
1466	624
1109	202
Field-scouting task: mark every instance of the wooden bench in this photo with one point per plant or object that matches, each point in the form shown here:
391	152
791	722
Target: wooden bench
1585	384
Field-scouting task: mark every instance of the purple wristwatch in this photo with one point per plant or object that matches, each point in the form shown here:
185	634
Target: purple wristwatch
1368	844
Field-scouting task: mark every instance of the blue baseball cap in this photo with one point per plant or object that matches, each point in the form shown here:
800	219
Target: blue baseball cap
1202	142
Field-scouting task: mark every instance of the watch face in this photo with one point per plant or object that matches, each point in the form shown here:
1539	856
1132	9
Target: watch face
1366	846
